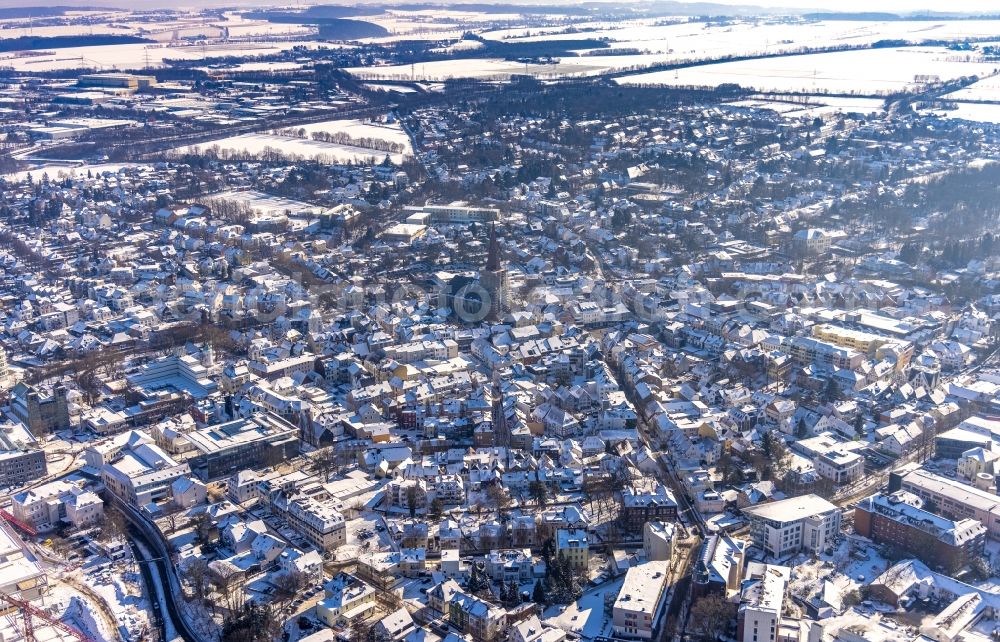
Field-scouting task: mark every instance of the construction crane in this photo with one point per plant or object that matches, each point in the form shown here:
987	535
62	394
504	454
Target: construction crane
15	522
28	611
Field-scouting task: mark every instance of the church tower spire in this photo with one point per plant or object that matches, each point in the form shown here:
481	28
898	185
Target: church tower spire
493	277
493	262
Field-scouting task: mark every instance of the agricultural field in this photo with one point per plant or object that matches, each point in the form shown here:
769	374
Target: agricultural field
985	89
121	24
862	72
136	56
697	40
499	69
976	112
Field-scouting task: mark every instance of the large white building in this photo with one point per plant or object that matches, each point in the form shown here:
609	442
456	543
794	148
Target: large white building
457	212
789	526
58	501
141	473
840	466
318	519
641	601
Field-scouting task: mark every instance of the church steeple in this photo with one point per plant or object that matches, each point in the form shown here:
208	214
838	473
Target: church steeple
493	261
493	279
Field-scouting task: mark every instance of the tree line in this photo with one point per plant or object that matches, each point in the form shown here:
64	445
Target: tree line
343	138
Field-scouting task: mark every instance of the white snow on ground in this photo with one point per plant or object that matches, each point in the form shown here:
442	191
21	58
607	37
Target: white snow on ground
120	584
356	541
321	151
688	40
162	585
850	566
862	72
982	113
80	613
65	604
134	56
61	171
985	89
870	626
354	128
402	89
499	69
586	616
812	106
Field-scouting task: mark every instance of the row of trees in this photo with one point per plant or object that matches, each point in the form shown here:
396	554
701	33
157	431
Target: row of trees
343	138
269	154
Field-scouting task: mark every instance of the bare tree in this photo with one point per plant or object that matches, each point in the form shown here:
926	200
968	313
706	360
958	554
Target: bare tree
286	587
710	617
361	630
113	525
230	588
498	497
325	461
196	575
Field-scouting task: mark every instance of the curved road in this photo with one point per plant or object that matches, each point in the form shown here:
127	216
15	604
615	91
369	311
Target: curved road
151	587
143	533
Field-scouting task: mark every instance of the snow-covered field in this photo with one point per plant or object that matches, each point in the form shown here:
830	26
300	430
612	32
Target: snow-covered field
321	151
260	66
499	69
354	128
834	104
120	23
427	24
402	89
812	106
672	42
686	40
134	56
973	112
985	89
264	203
861	72
62	171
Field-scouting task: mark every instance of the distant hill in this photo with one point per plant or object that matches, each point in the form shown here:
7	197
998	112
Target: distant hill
313	15
62	42
342	29
337	11
330	26
962	8
13	13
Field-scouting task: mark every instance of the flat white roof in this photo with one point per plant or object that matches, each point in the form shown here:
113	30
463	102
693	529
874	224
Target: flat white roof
643	587
790	510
